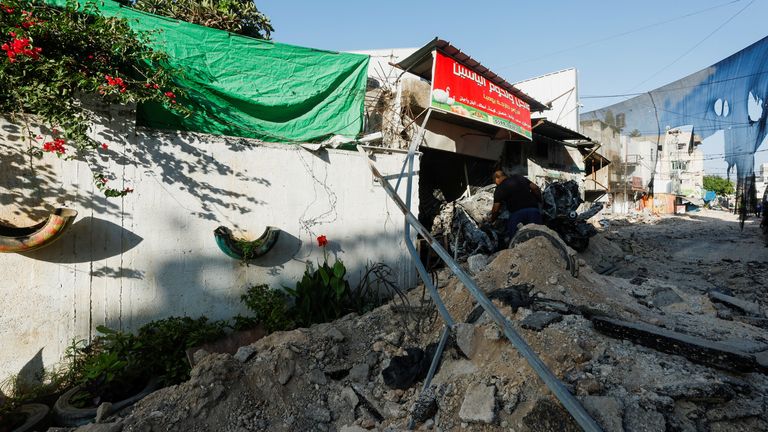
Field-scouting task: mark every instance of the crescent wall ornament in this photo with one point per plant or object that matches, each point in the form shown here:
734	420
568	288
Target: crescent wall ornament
242	249
25	239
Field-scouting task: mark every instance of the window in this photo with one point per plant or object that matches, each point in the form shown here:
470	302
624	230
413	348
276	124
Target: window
679	165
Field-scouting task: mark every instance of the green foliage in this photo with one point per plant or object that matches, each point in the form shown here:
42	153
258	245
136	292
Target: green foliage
719	185
163	344
269	307
55	58
248	248
236	16
117	364
321	295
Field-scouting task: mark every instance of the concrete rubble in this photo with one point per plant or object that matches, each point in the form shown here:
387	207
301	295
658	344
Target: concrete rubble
646	355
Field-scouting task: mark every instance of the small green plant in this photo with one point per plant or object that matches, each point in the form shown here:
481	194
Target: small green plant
269	307
323	294
118	364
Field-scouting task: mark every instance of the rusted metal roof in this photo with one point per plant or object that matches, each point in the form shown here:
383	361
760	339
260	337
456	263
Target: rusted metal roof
420	63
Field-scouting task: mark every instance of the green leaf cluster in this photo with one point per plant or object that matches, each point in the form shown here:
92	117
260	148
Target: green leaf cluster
721	186
322	295
117	364
79	53
236	16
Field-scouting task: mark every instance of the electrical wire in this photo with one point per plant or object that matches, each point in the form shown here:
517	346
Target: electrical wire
723	24
617	35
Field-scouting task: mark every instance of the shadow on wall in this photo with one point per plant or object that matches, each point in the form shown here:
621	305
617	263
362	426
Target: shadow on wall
286	248
30	187
188	285
30	375
177	159
90	239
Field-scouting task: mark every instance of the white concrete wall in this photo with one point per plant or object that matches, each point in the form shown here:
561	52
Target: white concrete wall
561	89
152	254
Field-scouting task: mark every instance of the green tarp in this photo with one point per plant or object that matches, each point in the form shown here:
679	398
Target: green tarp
246	87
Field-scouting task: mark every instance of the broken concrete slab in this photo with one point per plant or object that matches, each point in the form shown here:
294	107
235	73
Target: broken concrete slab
662	297
638	419
606	410
359	373
477	263
479	404
746	345
694	348
465	337
547	416
538	321
229	344
743	306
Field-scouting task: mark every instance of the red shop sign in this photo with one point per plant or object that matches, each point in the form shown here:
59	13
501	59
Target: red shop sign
459	90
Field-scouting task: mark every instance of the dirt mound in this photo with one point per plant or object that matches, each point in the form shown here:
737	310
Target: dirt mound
366	372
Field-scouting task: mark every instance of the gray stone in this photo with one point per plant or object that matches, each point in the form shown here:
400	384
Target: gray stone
245	353
359	373
392	410
479	404
316	376
552	280
540	320
477	263
664	297
349	395
285	367
606	410
335	334
465	335
102	412
641	420
762	359
318	414
744	306
394	338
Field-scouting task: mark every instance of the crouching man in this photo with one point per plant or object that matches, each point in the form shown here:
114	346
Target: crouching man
521	198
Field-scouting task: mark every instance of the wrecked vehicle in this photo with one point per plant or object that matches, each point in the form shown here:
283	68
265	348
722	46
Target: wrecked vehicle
463	230
559	209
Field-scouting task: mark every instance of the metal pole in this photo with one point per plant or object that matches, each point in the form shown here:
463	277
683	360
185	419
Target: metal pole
570	403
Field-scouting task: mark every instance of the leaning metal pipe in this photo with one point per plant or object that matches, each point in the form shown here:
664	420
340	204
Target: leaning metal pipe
553	383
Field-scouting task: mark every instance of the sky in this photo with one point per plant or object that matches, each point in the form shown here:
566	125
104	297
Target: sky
617	47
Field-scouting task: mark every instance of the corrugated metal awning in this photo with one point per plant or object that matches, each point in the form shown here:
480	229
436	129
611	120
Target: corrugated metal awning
420	63
550	129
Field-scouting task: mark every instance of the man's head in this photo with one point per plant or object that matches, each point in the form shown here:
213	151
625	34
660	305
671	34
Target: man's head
498	177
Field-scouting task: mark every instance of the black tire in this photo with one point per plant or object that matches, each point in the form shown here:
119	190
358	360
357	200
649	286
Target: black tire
36	414
69	415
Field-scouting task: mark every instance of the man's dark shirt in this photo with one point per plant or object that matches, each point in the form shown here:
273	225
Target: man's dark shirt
515	193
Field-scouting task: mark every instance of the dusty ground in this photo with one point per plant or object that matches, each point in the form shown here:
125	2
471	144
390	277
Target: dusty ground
658	272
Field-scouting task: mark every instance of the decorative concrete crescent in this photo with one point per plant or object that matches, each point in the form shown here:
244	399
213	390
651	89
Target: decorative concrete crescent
239	249
24	239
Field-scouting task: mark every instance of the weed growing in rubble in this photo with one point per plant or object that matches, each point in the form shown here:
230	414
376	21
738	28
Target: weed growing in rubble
117	364
270	308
